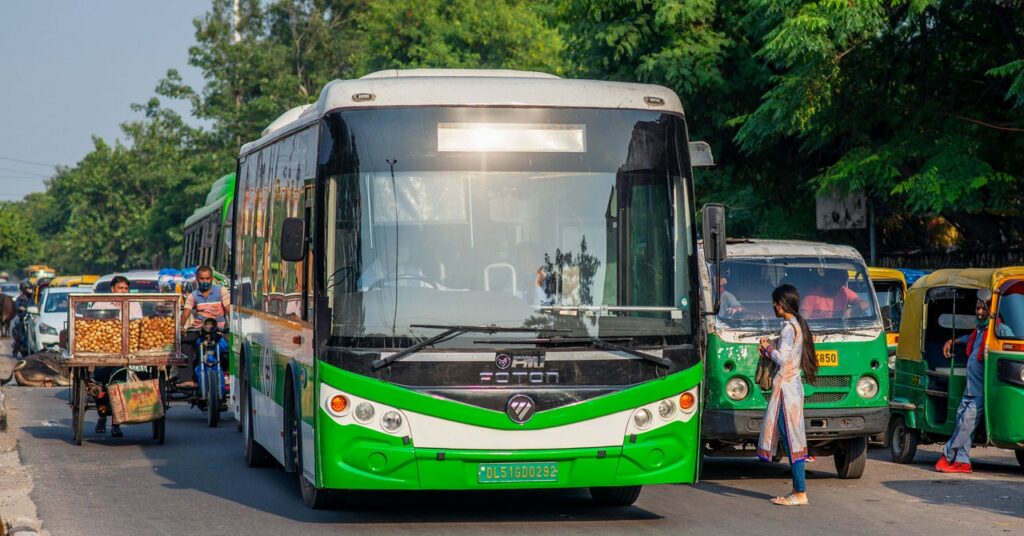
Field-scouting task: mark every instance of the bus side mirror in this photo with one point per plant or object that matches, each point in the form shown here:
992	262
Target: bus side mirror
700	154
293	239
713	215
714	232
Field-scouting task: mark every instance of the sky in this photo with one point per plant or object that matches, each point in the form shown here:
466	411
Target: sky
70	70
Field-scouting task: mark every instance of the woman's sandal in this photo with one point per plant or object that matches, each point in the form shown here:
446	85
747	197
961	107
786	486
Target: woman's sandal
101	427
788	500
116	431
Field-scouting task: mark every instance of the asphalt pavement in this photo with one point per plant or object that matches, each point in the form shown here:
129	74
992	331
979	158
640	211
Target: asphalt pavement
197	483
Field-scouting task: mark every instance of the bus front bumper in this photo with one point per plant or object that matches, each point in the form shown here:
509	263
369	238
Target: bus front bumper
732	425
358	458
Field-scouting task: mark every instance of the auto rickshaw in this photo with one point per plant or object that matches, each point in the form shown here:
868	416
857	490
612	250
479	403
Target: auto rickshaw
891	289
927	387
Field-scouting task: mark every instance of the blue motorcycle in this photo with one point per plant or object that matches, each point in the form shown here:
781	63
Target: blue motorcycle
211	393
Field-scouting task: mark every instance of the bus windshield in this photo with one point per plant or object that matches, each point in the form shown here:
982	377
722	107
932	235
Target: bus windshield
835	293
574	219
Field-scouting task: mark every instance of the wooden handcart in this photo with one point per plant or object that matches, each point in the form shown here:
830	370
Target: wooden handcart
136	331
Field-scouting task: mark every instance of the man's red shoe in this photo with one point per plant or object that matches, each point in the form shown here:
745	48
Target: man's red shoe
960	468
943	465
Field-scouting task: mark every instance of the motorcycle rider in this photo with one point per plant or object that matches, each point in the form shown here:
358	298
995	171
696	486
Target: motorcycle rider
208	300
18	332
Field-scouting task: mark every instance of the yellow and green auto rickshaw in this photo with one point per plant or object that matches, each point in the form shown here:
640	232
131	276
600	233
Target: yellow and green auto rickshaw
891	289
927	387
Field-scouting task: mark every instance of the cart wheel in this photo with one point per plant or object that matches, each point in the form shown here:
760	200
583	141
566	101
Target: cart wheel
81	398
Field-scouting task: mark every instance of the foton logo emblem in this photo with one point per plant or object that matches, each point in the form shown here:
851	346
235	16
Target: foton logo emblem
520	408
518	377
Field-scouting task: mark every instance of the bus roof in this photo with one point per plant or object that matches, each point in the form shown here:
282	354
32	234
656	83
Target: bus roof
221	192
788	248
469	87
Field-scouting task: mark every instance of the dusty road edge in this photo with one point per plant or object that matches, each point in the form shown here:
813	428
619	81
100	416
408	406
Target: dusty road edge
17	511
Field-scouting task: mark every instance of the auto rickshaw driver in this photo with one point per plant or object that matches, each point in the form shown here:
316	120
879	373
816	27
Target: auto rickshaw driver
955	453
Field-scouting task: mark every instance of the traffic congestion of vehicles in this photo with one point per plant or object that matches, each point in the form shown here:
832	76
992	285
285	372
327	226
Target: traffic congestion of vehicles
415	306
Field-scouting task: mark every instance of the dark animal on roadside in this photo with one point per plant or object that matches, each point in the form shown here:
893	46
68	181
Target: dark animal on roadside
42	370
7	312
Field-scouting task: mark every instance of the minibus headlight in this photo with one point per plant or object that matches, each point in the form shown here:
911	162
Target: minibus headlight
364	412
391	421
642	418
737	389
1022	374
867	387
47	329
666	409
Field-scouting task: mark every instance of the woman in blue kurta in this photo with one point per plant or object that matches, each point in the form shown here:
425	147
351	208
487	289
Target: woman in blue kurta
793	352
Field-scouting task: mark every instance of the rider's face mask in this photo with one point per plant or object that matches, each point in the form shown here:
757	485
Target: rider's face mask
205	285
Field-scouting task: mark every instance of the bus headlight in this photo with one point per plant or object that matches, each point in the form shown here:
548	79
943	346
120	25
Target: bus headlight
391	421
642	418
1022	374
47	329
867	387
364	412
737	389
666	409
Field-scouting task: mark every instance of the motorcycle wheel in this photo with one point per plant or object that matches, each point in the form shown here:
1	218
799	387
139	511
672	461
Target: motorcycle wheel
212	398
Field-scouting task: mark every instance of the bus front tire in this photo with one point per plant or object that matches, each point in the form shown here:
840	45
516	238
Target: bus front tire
851	458
1020	457
902	440
615	496
312	496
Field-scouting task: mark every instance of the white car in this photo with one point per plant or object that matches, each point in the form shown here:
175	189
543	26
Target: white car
138	281
44	325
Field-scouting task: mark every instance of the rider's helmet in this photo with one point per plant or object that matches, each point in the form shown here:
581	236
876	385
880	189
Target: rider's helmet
26	286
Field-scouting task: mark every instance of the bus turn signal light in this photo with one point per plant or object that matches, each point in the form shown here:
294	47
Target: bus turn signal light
686	401
339	403
1013	347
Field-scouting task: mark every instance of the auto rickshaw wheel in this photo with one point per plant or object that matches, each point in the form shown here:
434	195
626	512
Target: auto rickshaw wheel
902	440
851	458
1020	457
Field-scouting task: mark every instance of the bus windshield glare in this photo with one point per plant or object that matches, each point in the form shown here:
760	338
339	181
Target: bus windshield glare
835	293
575	219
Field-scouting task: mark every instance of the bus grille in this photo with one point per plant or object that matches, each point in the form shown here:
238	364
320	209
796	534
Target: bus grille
824	398
831	382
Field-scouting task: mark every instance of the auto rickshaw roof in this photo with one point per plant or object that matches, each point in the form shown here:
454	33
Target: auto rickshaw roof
886	274
967	278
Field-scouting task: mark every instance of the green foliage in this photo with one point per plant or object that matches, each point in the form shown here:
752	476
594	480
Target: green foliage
919	103
19	244
457	34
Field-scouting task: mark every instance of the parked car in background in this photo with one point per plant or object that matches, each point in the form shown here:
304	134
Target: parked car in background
138	281
45	322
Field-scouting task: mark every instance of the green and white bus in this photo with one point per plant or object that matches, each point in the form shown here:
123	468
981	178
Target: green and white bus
470	280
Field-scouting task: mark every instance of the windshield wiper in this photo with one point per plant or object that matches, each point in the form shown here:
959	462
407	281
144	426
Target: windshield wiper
842	331
448	333
760	333
596	342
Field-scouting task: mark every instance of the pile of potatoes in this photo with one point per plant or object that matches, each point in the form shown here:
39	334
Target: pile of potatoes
101	336
151	333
